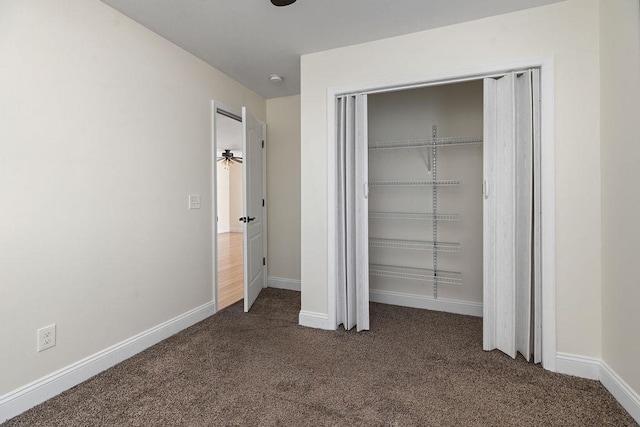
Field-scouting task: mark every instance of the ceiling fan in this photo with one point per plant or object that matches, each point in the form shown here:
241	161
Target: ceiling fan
282	2
228	157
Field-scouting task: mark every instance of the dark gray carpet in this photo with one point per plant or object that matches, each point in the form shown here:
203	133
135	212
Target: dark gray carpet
415	367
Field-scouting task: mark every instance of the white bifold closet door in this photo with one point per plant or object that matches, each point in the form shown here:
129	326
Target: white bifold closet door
511	228
352	206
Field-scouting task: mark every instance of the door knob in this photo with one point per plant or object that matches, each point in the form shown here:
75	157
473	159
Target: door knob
251	218
242	219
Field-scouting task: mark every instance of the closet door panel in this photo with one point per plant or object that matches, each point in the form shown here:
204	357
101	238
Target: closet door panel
352	297
341	265
489	216
537	216
500	295
362	211
524	206
509	290
351	219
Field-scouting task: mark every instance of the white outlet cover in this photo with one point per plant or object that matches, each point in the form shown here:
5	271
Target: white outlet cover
46	337
194	201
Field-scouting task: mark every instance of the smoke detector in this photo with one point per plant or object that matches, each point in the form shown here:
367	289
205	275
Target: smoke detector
275	78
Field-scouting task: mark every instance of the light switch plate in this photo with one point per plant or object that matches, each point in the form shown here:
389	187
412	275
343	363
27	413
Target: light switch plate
194	201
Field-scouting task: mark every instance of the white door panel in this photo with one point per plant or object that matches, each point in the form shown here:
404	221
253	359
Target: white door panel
508	209
253	153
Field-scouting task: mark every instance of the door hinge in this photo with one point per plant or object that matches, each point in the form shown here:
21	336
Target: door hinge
262	144
264	261
263	203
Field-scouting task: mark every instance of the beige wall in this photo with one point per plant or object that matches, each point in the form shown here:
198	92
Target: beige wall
222	185
230	197
620	133
569	32
283	187
105	130
235	195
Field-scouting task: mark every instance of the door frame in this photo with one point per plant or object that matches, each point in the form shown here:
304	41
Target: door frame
235	113
546	64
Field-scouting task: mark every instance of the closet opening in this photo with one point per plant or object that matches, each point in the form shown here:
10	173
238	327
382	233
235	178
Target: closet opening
425	197
439	206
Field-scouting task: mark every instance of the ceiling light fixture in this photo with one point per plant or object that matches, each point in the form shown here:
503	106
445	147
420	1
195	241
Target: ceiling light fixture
282	2
276	78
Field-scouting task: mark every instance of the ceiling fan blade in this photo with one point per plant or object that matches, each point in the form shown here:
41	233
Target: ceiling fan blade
239	160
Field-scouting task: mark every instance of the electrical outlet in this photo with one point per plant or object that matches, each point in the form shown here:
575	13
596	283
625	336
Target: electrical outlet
46	337
194	201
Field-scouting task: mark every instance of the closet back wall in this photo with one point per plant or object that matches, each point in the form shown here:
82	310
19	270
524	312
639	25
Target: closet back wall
456	109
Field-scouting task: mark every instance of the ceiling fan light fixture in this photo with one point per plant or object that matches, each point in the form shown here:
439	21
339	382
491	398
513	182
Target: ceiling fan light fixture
276	78
282	2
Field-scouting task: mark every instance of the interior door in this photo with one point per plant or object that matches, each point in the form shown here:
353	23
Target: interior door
253	220
352	297
508	206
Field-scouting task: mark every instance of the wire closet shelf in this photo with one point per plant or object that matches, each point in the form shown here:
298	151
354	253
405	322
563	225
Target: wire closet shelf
435	275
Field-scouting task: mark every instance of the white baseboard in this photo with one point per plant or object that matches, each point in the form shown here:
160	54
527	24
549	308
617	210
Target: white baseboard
596	369
222	230
282	283
315	320
36	392
578	366
426	302
624	394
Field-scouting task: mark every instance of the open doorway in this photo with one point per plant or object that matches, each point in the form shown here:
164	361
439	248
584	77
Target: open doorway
229	186
239	220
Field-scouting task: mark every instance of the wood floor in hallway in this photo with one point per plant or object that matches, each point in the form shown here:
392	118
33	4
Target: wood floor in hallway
230	269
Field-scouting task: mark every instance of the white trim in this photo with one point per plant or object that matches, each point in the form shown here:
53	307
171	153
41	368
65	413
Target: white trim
265	246
315	320
426	302
446	77
548	196
624	394
548	211
222	230
214	203
578	366
332	210
283	283
36	392
596	369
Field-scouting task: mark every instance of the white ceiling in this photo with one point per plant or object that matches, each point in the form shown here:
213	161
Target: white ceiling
252	39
